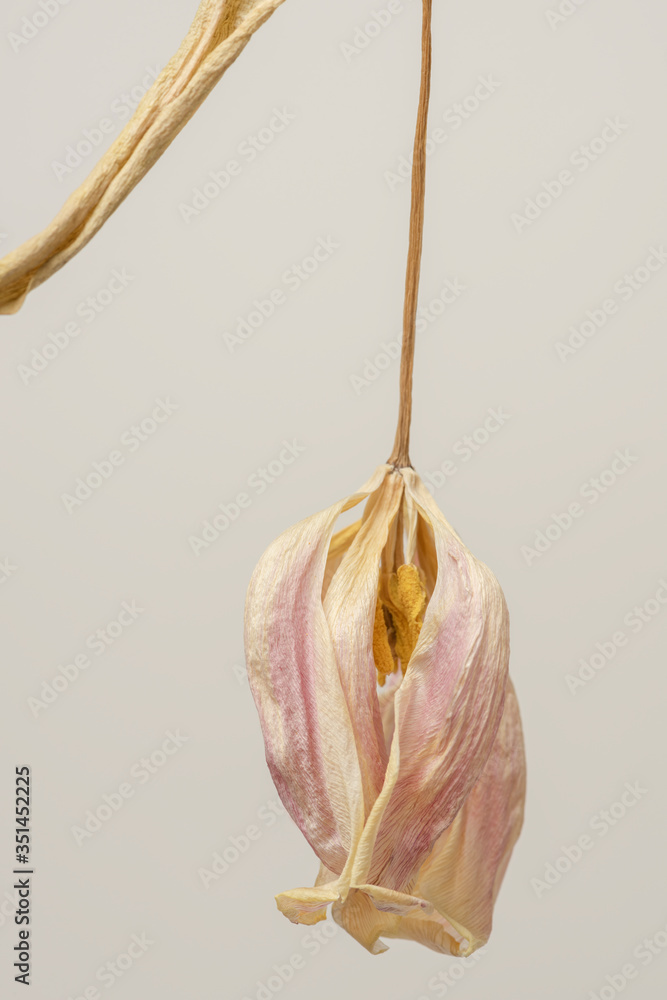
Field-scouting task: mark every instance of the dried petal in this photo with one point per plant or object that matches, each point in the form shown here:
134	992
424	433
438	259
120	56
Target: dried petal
293	673
462	875
349	607
447	709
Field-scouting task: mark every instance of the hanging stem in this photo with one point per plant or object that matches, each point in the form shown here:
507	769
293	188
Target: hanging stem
400	456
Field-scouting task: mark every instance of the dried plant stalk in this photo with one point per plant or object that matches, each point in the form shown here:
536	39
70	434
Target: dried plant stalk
378	660
219	33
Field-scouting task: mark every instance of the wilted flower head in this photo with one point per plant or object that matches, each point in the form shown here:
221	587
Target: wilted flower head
378	660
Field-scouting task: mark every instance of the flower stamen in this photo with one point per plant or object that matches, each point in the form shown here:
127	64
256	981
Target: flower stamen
385	663
408	603
398	621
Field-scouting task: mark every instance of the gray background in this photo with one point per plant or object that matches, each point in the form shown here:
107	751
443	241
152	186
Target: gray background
179	665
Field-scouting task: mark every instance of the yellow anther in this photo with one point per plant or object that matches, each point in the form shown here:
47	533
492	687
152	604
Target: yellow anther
408	603
384	660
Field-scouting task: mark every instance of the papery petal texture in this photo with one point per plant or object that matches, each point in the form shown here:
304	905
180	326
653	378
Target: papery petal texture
349	608
462	875
220	31
411	793
291	661
447	709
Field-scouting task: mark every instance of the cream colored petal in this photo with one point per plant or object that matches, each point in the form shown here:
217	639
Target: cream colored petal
386	696
410	522
340	543
361	918
349	607
309	739
429	930
390	901
219	33
308	905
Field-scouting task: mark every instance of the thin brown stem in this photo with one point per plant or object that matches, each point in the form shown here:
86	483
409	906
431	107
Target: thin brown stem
400	456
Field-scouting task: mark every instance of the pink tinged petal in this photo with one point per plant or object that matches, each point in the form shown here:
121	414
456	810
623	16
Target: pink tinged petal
447	710
350	611
463	873
309	740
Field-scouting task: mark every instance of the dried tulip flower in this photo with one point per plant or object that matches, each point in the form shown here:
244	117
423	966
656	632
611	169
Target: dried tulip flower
378	660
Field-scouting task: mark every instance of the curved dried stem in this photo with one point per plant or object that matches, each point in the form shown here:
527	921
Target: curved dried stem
219	33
